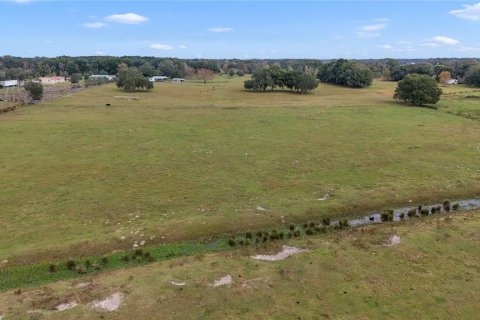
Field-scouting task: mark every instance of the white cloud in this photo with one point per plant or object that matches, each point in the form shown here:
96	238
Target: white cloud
386	47
445	40
127	18
220	29
467	49
381	19
94	25
100	53
469	12
23	1
160	46
373	27
364	34
183	46
429	44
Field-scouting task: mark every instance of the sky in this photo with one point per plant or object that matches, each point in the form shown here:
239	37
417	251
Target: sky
243	29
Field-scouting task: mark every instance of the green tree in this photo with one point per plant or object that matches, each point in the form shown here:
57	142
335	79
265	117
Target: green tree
131	79
35	90
472	77
231	72
418	89
75	78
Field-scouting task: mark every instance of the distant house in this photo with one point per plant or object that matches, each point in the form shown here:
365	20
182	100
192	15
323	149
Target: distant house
102	76
452	81
178	80
51	80
9	83
158	79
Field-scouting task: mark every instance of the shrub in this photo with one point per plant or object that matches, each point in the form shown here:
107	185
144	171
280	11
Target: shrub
231	242
247	242
424	212
418	90
281	235
104	261
137	253
433	210
81	270
296	233
446	205
265	239
52	268
305	226
35	90
248	235
148	257
439	208
241	242
291	227
326	221
456	206
88	264
71	264
412	213
309	232
472	77
402	216
126	258
289	235
387	215
259	234
343	223
312	224
131	79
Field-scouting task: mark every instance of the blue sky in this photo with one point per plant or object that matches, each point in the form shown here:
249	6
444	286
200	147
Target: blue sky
247	29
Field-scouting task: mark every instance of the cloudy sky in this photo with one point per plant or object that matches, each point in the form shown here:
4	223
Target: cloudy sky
246	29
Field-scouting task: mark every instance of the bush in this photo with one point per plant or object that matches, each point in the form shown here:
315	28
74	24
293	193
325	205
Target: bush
456	206
291	227
309	232
424	212
88	264
71	264
296	233
433	210
418	90
35	90
472	77
446	205
81	270
104	261
412	213
248	235
52	268
231	242
387	215
126	258
326	221
131	79
343	223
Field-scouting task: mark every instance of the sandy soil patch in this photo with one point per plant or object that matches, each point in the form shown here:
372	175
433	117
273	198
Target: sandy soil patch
392	241
285	253
66	306
175	283
110	303
225	281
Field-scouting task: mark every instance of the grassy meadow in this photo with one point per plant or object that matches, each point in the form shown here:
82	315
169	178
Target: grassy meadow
186	161
350	274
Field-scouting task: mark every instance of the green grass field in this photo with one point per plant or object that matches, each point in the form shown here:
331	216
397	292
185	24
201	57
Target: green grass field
431	274
188	161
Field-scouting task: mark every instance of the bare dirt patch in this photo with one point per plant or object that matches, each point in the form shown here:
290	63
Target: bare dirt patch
224	281
285	253
393	240
111	303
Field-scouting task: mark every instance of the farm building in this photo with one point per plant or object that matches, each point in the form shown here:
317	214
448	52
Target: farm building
102	76
158	79
51	80
452	81
9	83
178	80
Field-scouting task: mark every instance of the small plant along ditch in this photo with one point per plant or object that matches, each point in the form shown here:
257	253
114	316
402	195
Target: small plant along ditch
41	273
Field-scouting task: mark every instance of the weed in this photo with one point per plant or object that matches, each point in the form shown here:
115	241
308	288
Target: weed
104	261
291	227
71	264
231	242
126	258
52	268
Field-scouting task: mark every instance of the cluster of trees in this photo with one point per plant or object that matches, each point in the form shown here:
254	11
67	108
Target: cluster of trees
346	73
35	90
131	79
274	76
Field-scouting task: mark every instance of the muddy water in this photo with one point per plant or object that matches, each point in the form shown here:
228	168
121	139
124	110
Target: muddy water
376	217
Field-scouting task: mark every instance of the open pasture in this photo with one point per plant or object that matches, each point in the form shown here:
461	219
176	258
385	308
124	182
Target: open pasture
191	160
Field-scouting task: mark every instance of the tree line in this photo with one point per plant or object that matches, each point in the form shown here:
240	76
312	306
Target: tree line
273	77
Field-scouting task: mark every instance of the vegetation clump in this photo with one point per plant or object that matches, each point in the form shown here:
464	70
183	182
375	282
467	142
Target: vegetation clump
131	79
273	77
346	73
417	89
